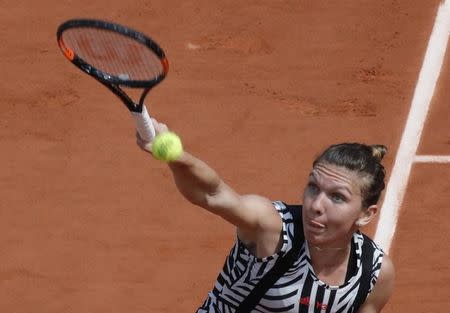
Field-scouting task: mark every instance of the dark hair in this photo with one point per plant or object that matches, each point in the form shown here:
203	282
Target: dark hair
361	158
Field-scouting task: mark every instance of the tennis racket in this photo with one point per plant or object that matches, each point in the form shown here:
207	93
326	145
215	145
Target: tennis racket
118	57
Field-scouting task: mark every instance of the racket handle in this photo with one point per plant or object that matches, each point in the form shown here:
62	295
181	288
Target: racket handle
144	124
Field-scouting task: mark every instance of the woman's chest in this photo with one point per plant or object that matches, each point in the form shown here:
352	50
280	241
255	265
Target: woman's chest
332	276
302	291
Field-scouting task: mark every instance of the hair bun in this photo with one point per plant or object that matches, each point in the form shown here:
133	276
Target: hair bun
378	151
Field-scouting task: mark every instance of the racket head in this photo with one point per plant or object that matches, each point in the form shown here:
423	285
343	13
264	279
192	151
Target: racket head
113	53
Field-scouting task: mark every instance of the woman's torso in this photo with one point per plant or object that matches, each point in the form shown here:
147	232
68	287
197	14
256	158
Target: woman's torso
299	289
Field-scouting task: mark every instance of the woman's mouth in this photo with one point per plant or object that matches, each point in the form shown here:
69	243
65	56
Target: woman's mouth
316	225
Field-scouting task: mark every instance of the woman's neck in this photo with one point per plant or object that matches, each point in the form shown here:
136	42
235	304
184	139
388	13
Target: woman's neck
330	263
332	256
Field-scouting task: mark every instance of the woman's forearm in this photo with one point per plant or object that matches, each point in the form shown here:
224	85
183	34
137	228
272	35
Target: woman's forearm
196	180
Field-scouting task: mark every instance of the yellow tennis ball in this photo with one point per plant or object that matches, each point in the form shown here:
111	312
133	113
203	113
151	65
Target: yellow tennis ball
167	147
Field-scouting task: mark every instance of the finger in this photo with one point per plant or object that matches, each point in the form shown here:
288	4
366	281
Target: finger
138	137
159	127
146	146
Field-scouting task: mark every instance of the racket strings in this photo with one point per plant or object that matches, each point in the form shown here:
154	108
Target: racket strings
113	53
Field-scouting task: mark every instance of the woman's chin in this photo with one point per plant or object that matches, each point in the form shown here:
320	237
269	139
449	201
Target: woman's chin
317	239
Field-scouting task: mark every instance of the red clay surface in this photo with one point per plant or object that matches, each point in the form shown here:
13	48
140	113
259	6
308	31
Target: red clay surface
89	223
436	137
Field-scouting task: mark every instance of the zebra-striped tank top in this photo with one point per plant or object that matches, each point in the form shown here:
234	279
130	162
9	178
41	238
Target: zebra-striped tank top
299	289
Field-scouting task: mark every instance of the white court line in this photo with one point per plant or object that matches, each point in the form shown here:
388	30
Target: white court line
423	93
432	159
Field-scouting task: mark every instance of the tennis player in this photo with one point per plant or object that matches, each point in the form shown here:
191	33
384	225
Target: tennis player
297	258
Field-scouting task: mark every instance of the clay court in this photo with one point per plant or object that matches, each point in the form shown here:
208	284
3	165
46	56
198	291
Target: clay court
89	223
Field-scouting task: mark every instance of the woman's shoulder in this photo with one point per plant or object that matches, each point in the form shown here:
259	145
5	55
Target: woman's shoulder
367	241
383	288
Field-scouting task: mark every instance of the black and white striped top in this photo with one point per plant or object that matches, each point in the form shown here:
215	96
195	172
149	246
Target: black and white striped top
299	289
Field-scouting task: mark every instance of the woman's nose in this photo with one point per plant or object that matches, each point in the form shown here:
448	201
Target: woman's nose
317	204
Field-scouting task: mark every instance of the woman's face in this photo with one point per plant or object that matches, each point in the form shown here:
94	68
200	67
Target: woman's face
332	203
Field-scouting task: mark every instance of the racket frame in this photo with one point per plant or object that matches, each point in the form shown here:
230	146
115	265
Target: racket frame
113	83
123	30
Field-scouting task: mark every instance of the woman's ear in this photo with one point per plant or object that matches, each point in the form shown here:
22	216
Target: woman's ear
367	215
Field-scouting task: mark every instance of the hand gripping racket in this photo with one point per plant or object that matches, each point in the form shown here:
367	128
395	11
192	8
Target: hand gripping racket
117	56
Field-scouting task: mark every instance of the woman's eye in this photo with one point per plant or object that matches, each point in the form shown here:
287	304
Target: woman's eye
313	187
336	197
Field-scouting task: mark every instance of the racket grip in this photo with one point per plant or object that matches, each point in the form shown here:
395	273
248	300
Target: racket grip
144	124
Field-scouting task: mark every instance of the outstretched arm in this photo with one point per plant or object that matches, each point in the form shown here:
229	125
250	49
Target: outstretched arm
202	186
